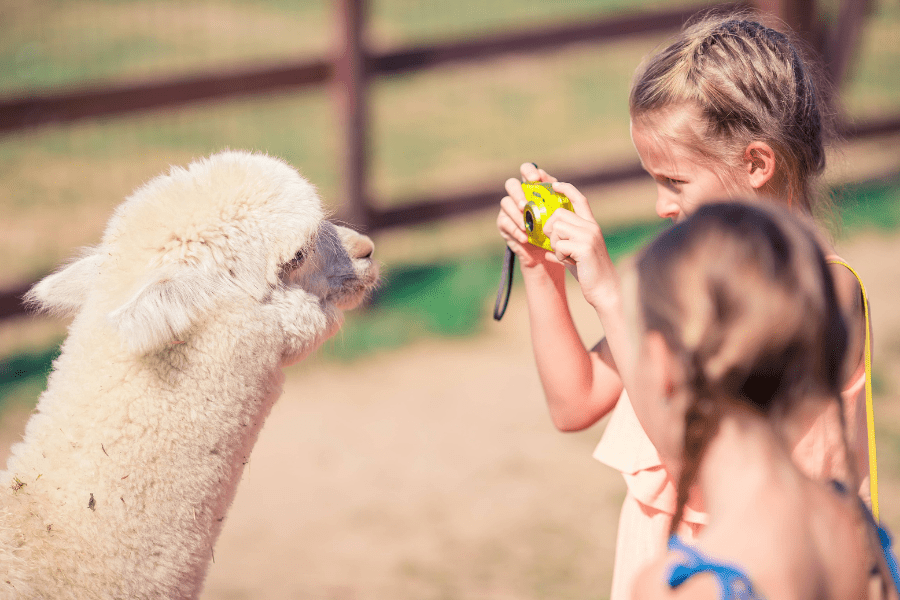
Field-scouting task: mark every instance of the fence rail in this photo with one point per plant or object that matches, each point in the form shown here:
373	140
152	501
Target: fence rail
352	68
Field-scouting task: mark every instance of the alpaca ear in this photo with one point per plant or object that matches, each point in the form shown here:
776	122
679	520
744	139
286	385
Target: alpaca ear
63	293
165	308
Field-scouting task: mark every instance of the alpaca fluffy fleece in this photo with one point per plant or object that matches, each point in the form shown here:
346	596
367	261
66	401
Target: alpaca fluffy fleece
208	280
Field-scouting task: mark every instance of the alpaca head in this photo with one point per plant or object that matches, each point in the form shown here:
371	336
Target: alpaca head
232	233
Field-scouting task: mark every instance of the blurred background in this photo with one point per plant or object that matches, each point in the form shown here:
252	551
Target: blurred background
412	457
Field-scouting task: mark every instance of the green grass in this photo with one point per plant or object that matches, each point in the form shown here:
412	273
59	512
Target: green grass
26	369
871	205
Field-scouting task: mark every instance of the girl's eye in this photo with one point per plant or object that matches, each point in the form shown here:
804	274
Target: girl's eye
672	182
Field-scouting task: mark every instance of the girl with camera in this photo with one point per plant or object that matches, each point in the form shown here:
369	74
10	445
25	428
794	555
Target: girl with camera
728	109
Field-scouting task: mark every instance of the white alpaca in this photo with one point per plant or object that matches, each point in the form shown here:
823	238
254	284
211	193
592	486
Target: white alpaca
207	281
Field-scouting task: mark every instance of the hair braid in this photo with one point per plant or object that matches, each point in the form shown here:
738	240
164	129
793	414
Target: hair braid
701	425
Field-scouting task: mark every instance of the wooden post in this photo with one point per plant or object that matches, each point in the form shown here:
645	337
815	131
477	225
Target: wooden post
350	84
835	46
844	39
799	15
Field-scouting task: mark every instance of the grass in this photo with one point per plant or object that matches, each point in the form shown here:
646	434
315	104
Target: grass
49	43
873	205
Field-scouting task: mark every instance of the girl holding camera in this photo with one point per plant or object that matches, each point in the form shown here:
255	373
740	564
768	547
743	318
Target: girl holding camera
728	109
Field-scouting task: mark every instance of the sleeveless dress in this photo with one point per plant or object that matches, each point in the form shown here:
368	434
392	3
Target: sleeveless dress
651	492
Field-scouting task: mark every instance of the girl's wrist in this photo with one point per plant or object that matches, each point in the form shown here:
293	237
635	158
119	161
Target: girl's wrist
606	300
543	271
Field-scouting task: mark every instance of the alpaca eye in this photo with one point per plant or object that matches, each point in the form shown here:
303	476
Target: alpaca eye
297	260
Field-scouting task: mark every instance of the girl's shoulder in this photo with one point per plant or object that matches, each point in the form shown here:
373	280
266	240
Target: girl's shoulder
819	540
842	537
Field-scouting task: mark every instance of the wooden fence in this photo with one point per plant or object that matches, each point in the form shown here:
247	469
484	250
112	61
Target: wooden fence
353	67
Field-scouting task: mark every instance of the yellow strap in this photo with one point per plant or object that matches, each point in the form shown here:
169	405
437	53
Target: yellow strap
870	414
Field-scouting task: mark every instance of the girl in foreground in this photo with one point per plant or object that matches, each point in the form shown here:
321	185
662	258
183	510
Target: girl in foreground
728	109
739	340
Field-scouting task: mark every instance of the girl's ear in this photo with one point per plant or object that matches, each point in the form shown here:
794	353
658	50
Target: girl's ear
759	162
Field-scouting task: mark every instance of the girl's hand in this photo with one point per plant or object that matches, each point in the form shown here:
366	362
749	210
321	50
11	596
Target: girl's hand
577	241
511	222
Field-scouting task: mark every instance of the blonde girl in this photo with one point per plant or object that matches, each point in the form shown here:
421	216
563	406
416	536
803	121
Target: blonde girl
728	109
739	340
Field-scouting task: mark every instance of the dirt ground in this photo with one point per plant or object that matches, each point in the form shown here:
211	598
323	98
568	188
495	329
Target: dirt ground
433	471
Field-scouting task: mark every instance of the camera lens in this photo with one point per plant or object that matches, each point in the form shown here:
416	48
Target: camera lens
529	221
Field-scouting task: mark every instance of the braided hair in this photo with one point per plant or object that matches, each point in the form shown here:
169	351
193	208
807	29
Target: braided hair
738	81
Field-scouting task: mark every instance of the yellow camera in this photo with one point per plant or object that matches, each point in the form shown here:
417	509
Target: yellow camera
542	202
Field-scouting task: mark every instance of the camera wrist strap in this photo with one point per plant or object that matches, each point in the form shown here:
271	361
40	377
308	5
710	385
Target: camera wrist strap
506	278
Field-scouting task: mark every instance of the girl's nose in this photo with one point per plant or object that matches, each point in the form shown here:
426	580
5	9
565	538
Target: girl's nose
666	206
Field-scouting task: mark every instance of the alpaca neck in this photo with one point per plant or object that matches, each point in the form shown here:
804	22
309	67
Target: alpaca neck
150	449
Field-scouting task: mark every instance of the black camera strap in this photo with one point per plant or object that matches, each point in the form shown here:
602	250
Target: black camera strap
506	279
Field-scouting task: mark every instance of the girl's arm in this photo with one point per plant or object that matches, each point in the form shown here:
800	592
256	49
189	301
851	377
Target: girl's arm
577	241
580	386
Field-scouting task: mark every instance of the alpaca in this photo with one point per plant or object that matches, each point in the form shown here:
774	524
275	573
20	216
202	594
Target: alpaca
208	280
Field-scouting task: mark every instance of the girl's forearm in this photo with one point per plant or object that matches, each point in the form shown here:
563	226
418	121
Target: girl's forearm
581	386
612	316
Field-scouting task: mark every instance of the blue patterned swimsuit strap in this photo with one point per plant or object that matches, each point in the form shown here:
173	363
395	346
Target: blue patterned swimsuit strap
734	582
884	536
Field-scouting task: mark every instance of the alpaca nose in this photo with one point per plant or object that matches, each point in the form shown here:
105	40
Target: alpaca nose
363	247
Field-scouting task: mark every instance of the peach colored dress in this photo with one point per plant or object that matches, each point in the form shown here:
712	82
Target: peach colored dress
651	493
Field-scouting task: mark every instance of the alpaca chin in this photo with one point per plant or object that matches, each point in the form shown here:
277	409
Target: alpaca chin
294	355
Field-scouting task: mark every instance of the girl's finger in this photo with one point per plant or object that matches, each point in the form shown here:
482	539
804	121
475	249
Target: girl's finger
545	177
563	252
510	229
564	223
530	172
514	189
579	202
510	207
